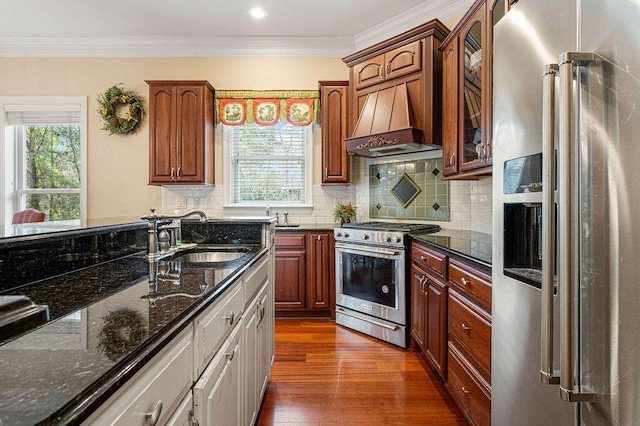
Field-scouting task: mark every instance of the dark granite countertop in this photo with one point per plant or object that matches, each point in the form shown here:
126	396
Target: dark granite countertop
475	246
62	371
308	227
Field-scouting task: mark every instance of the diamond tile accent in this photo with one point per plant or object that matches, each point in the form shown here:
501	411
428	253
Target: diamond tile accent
435	171
378	206
405	190
435	206
378	175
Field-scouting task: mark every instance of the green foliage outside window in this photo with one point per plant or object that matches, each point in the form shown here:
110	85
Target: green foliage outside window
52	161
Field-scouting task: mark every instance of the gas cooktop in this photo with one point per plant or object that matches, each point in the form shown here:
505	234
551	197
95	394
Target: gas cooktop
394	227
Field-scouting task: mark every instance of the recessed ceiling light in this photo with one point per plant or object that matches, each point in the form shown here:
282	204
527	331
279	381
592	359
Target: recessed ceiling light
257	12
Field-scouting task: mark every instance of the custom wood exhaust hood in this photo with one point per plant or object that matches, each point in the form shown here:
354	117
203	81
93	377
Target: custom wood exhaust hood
385	126
396	93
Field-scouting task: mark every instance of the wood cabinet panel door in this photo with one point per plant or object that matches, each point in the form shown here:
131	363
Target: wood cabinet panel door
334	124
369	72
290	279
162	130
189	110
320	270
450	109
418	306
403	60
436	344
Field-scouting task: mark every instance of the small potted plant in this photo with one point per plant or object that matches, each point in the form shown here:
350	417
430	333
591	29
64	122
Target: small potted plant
346	213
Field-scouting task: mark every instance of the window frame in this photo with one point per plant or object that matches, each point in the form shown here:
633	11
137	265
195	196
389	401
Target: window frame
10	154
227	174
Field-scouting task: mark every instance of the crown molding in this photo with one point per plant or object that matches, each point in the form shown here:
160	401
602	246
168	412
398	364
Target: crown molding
440	9
113	47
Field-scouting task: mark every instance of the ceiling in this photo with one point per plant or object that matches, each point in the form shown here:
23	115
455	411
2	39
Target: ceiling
208	27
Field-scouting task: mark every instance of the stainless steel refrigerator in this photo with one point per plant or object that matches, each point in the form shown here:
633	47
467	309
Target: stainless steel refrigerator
566	206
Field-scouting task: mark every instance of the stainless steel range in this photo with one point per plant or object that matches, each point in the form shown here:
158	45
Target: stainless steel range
371	278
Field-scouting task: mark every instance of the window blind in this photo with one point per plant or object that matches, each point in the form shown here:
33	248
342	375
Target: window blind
34	117
268	163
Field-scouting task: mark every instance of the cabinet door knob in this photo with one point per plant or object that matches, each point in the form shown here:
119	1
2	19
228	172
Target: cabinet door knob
465	328
465	281
192	419
178	173
154	416
319	238
172	172
229	318
231	354
465	390
423	258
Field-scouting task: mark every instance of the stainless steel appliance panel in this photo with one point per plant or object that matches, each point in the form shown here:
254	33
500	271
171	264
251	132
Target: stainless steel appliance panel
371	280
605	123
531	35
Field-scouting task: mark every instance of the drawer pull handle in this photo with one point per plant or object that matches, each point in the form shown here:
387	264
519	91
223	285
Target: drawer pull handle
231	354
465	328
229	318
465	390
192	419
154	416
423	258
465	281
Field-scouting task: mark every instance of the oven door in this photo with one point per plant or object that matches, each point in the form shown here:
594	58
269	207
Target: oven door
371	280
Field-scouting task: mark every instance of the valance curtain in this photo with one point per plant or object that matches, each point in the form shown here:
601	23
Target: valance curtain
267	107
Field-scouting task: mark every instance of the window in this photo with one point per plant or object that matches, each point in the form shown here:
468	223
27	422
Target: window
44	150
268	164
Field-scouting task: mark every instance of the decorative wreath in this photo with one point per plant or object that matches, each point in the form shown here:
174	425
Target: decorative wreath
123	330
109	101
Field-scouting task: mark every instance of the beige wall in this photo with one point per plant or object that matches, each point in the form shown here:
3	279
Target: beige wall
118	165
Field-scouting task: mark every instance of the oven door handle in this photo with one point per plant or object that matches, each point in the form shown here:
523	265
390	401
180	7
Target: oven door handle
366	250
380	324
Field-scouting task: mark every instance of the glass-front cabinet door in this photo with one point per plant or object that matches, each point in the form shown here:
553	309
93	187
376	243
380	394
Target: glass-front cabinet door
472	138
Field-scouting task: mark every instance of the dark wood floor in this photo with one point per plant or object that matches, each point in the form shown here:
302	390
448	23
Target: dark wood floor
325	374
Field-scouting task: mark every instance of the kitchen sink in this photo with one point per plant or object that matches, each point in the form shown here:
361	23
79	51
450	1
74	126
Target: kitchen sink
279	225
211	255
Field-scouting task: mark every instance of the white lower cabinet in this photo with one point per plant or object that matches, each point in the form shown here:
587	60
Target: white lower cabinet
155	392
183	416
216	395
227	352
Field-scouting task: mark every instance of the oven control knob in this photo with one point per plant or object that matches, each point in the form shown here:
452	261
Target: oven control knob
338	234
386	238
365	236
398	239
346	235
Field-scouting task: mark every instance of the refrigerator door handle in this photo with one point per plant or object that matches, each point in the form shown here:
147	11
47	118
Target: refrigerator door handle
547	374
569	233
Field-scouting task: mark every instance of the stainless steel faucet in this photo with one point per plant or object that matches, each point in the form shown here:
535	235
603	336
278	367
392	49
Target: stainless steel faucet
152	227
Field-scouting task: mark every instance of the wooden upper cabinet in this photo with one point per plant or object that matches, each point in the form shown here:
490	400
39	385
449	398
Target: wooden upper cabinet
450	109
334	116
466	96
369	72
401	61
181	133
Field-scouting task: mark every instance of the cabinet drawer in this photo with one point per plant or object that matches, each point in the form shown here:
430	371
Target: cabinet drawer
167	380
255	277
290	240
470	327
473	282
430	260
213	326
468	389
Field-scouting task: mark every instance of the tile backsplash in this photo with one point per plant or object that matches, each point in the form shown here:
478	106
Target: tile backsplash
409	190
469	203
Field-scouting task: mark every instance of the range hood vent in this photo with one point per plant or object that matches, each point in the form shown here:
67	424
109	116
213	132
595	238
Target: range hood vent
384	126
